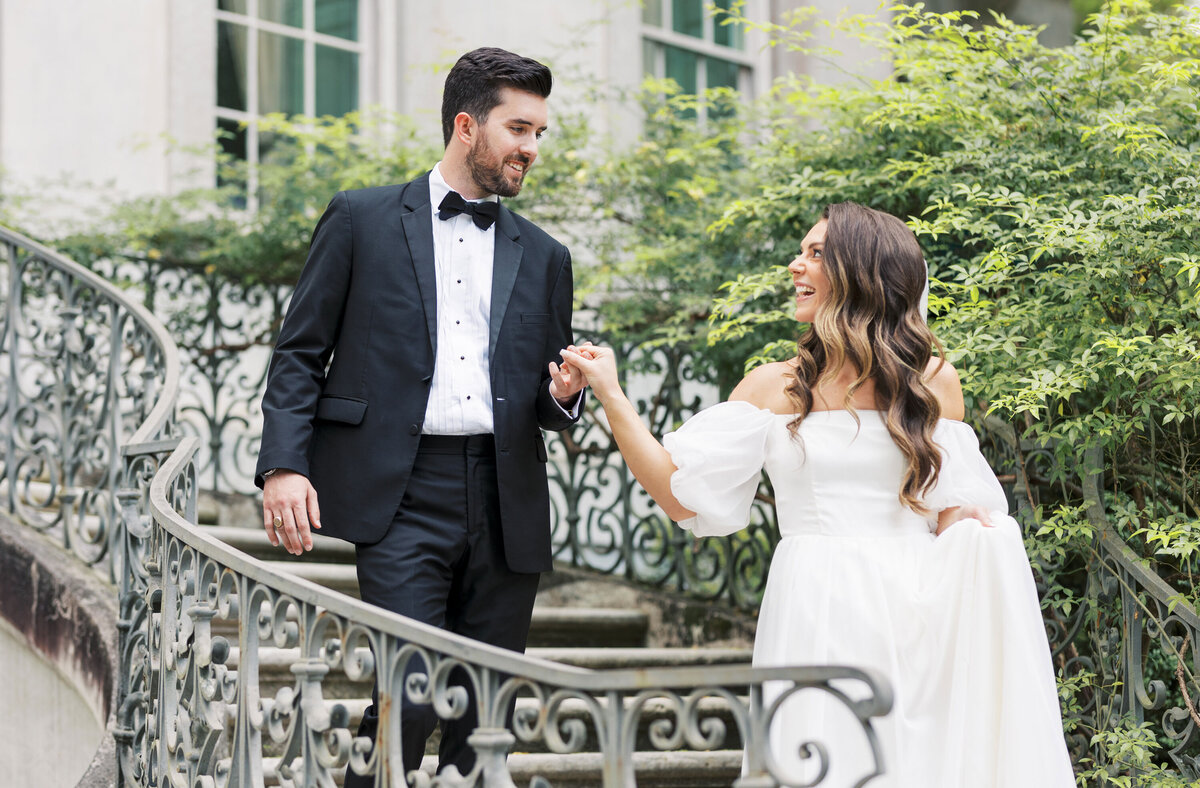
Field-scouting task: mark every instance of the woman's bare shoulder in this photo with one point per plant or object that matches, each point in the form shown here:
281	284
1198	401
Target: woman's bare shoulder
942	379
766	387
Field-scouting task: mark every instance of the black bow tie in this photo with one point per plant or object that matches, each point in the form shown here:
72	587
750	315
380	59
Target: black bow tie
483	213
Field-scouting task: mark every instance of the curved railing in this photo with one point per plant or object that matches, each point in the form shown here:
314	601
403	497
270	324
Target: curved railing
94	455
1138	614
89	372
197	582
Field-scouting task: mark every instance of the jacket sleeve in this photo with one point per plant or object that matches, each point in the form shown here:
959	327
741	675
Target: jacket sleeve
306	341
551	416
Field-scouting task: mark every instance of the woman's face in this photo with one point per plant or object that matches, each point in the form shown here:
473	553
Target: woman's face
808	273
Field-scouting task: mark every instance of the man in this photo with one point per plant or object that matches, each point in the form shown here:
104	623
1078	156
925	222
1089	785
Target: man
412	378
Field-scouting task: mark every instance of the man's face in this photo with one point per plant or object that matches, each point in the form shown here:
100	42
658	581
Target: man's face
507	144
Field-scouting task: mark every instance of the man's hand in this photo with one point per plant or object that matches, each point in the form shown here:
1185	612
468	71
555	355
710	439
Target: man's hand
289	508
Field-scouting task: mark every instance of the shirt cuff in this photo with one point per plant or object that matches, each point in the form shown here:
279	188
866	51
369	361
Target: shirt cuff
573	411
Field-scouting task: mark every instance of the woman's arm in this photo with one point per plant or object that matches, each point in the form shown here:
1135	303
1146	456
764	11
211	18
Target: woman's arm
649	462
942	379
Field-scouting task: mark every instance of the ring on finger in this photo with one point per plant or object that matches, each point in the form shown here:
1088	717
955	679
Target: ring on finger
277	523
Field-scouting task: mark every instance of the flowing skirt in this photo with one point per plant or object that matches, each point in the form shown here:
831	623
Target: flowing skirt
955	625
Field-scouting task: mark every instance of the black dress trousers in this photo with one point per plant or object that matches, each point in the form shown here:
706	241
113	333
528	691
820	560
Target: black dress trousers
442	562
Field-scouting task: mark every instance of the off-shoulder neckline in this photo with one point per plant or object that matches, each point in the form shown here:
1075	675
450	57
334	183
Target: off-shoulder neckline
838	410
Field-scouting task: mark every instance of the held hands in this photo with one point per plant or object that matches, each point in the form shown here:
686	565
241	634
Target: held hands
598	366
948	517
290	500
566	381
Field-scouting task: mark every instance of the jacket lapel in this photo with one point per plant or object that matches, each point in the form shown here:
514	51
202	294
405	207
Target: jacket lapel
506	263
418	232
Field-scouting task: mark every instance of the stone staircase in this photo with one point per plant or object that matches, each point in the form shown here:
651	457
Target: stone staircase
580	618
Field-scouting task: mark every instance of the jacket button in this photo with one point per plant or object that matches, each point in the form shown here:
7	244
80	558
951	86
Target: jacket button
414	429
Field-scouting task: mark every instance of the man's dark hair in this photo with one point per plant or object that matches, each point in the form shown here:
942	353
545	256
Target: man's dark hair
473	85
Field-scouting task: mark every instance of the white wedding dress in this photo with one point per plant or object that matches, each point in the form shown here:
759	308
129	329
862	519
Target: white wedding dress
858	579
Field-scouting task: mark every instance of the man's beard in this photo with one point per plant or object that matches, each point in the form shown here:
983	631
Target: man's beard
489	174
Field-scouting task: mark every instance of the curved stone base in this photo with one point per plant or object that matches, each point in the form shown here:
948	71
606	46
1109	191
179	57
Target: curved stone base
66	615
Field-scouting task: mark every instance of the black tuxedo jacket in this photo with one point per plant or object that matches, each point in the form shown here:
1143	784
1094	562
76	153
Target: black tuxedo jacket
351	372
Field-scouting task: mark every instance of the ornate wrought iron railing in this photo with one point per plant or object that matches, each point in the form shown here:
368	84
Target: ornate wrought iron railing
93	454
1143	641
196	681
87	372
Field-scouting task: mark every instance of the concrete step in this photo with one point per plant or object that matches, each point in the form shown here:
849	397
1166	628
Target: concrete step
253	541
684	769
606	658
573	627
274	664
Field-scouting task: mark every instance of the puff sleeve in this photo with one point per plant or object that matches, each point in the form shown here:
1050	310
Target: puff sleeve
719	454
965	478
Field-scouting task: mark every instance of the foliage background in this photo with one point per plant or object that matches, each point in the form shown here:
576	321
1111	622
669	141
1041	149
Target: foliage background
1055	194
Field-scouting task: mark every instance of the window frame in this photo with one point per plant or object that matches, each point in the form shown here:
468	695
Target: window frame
664	35
307	34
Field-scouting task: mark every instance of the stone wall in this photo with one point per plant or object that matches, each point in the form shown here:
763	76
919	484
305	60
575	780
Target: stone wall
59	662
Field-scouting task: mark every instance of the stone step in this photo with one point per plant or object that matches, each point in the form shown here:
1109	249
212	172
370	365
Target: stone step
253	541
554	627
680	769
274	664
612	658
271	659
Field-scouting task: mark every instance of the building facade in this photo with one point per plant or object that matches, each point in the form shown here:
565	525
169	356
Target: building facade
94	92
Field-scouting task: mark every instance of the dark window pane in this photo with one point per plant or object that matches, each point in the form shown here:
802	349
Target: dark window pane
652	12
280	74
231	66
681	67
726	35
338	18
337	81
236	6
232	139
285	12
687	17
721	73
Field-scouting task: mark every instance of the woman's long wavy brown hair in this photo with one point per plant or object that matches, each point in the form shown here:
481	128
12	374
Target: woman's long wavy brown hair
871	319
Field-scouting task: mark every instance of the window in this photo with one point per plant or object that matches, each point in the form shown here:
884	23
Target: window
683	41
290	56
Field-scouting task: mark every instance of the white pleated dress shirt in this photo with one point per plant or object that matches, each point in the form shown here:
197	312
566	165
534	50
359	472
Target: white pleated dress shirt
460	397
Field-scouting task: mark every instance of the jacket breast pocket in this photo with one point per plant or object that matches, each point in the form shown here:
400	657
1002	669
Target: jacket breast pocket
345	410
535	318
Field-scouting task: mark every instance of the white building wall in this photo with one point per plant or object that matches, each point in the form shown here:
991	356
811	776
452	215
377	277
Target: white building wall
83	86
91	90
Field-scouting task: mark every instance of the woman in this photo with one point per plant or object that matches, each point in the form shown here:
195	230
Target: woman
896	550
